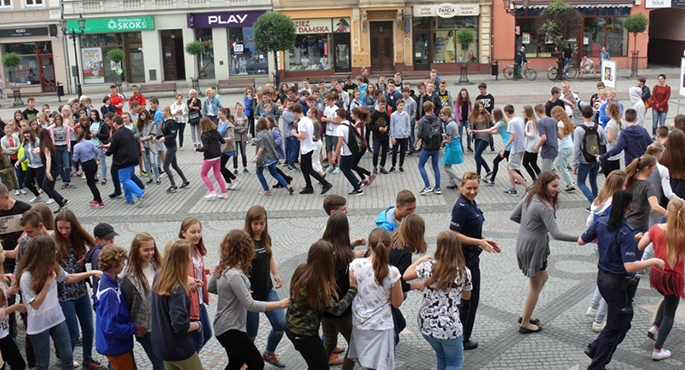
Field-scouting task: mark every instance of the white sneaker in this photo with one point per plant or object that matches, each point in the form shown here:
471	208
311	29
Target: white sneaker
76	364
50	201
663	354
597	327
211	195
23	191
17	192
35	199
591	312
426	190
234	183
223	196
653	332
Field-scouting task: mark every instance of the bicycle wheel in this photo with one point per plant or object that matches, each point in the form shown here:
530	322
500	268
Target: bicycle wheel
508	73
572	72
531	75
552	73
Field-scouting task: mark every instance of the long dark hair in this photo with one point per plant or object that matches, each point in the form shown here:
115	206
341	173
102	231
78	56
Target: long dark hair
338	233
540	189
379	243
79	238
46	142
620	202
315	277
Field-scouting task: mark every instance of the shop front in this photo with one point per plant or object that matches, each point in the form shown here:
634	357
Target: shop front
104	34
435	28
601	27
322	44
232	32
37	71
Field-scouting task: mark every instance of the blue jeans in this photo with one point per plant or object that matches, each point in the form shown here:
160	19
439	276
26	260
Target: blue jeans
292	147
658	119
103	163
130	187
481	145
346	167
41	347
585	170
201	338
464	125
146	342
63	162
80	312
149	159
274	174
276	318
450	352
423	158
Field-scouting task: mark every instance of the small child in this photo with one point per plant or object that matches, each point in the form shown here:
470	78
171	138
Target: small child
114	331
104	235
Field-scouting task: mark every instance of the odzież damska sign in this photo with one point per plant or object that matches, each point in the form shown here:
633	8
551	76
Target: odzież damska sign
224	19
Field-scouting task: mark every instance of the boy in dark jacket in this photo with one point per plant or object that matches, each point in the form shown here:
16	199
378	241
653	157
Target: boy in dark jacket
124	149
634	139
429	131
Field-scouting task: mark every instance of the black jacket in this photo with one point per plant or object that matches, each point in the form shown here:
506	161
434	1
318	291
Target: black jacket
169	130
211	144
123	148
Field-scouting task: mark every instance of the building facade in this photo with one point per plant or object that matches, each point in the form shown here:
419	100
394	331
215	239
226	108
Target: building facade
666	31
153	35
29	28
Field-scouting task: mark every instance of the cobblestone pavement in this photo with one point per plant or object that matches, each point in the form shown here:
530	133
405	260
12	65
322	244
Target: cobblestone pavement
297	221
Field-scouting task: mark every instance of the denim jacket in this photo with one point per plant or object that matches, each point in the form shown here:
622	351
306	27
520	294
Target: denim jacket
216	105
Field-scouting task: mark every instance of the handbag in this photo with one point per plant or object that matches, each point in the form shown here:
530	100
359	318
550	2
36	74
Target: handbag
194	117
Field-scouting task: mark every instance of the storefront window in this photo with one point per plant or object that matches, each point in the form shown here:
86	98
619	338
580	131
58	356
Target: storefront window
445	45
245	59
204	35
133	66
27	72
310	53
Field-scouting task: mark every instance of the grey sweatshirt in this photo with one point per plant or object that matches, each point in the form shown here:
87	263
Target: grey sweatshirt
233	288
400	125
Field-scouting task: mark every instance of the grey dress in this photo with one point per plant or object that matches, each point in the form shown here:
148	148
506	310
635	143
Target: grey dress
532	243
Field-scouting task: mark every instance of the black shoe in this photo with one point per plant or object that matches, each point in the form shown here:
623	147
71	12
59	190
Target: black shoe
277	185
235	171
532	321
160	170
245	170
307	191
470	344
356	192
401	169
589	352
524	330
185	185
383	171
149	181
288	179
326	188
470	150
115	195
392	169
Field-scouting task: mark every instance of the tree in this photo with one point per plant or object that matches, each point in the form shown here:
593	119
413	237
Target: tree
116	56
195	48
10	61
561	22
636	23
274	32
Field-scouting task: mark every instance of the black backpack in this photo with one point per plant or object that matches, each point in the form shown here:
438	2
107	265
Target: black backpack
591	144
353	140
432	135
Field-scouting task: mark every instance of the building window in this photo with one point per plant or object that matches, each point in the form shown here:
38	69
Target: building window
204	35
445	48
133	66
245	58
34	2
311	52
27	72
5	3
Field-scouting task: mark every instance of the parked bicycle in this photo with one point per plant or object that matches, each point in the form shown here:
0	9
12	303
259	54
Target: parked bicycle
568	72
510	72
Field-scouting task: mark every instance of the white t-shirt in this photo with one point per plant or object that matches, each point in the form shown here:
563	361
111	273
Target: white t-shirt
307	126
371	305
49	314
330	113
343	131
516	128
5	324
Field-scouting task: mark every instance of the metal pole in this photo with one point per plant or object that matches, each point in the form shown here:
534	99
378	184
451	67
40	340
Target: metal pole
79	92
678	111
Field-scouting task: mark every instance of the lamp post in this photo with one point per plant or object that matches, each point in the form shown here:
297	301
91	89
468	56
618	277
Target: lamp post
75	35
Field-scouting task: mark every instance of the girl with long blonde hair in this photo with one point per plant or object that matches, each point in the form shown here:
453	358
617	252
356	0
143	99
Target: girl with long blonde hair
530	157
613	130
565	130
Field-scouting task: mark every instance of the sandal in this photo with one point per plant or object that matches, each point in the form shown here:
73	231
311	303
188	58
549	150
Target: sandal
103	182
172	189
185	185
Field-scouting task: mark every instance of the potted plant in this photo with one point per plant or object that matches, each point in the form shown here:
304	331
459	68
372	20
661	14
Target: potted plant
274	32
636	23
465	37
195	48
11	61
116	56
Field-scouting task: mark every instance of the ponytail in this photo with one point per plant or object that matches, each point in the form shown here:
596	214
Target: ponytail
379	242
637	165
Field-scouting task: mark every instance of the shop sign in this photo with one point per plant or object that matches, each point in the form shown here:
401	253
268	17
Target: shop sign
24	32
107	25
92	65
678	3
225	19
649	4
446	10
318	25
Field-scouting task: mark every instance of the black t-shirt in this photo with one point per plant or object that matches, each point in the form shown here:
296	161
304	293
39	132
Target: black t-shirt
464	112
402	260
378	120
10	230
549	105
29	113
349	88
260	274
488	101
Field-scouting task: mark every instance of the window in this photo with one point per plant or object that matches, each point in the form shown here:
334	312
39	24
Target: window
133	65
445	48
204	35
5	3
34	2
310	53
245	58
27	72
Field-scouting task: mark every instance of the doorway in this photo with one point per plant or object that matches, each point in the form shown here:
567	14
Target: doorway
382	46
47	74
422	44
172	55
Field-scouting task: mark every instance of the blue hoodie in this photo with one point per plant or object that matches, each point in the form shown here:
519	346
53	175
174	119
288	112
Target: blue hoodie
386	219
633	140
114	329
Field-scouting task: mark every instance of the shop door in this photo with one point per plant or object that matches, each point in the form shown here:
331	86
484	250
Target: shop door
135	68
341	46
47	74
172	55
422	36
382	50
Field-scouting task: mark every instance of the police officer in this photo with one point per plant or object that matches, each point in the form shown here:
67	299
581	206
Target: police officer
619	259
